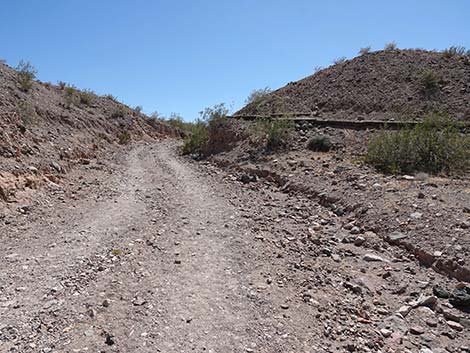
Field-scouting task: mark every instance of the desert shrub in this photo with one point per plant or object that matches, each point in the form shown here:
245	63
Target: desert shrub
211	133
86	97
274	133
429	81
138	109
62	84
456	50
364	50
119	112
433	146
177	121
317	69
257	95
26	73
340	60
124	137
3	61
26	113
197	140
319	143
111	97
391	46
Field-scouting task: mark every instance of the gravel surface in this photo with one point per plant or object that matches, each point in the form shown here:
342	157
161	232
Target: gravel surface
151	252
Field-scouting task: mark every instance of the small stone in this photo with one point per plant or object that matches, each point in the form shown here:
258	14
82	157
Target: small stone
396	236
355	230
359	241
404	310
106	303
455	326
451	314
461	297
440	292
416	215
431	322
336	258
109	339
284	306
373	258
416	330
385	332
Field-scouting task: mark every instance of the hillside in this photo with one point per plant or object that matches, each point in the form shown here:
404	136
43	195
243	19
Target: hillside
47	129
395	84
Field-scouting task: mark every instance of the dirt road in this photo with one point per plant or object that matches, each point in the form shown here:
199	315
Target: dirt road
164	255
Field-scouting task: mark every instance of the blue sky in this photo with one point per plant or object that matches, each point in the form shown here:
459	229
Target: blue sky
181	55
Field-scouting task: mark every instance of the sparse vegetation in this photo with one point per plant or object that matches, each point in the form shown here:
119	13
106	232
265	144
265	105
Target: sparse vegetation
317	69
364	50
319	143
124	137
275	133
390	46
26	113
86	97
257	95
197	139
340	60
456	50
119	112
429	81
111	97
26	73
433	146
208	132
138	109
177	121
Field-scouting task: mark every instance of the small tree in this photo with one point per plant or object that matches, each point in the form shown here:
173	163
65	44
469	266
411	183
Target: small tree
26	73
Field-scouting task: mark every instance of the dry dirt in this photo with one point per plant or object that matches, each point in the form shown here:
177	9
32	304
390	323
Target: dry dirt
149	252
380	85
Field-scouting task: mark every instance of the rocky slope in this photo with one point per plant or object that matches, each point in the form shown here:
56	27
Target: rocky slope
395	84
47	129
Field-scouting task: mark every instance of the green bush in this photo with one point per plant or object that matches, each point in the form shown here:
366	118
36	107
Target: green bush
210	133
124	137
177	122
275	133
26	73
119	112
433	146
197	140
429	81
86	97
319	143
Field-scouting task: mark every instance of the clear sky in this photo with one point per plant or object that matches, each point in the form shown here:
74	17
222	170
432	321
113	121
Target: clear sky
183	55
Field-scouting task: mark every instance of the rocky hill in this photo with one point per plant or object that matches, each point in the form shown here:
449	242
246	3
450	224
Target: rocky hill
46	129
393	84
